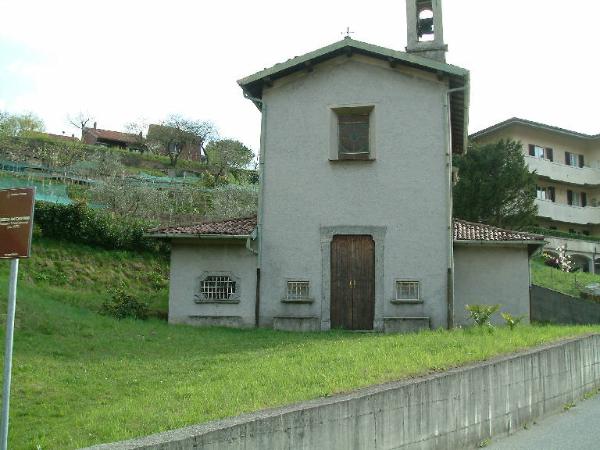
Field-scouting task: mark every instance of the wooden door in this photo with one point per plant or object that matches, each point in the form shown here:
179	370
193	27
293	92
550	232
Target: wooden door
352	282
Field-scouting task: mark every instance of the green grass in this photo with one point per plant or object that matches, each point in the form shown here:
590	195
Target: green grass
557	280
84	276
80	378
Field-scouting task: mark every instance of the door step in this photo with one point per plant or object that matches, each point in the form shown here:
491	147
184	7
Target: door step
405	324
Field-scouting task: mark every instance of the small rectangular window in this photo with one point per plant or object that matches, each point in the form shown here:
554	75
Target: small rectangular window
297	290
217	288
407	290
353	133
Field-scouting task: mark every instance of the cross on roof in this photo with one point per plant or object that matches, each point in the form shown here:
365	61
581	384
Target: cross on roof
347	33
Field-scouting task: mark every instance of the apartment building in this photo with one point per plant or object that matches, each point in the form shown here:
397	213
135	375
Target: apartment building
567	164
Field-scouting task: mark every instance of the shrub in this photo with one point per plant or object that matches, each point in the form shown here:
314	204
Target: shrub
510	320
481	314
80	223
123	305
551	261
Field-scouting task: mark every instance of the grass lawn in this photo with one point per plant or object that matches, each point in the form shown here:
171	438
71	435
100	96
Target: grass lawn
555	279
80	378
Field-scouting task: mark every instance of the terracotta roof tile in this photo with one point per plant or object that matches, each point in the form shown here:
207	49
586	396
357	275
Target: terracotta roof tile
470	231
113	135
230	227
463	230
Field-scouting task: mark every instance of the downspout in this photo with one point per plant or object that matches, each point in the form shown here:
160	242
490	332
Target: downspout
450	273
259	215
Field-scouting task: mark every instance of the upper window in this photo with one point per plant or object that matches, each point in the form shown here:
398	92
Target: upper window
541	152
574	159
354	140
407	290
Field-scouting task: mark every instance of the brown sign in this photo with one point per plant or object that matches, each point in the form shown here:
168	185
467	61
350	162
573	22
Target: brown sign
16	222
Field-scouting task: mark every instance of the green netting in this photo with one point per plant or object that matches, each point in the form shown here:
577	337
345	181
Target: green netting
46	190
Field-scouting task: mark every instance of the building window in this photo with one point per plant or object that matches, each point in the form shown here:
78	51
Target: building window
354	140
407	290
545	193
541	152
541	193
574	159
297	290
218	287
576	198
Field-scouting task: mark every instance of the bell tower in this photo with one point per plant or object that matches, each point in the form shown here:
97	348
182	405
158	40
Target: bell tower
425	33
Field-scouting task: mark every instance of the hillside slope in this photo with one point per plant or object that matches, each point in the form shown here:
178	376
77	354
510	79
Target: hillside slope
80	378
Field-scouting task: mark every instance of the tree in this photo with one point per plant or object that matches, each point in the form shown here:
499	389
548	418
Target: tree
495	186
17	124
227	154
176	133
80	120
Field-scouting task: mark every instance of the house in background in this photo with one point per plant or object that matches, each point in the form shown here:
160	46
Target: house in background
567	166
189	151
110	138
354	227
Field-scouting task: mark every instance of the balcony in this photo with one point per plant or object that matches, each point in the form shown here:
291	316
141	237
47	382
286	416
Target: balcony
569	214
561	172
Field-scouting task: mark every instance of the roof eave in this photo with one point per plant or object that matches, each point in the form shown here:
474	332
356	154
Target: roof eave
538	125
504	243
196	236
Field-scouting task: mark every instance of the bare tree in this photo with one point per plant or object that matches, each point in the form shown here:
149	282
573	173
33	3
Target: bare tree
80	120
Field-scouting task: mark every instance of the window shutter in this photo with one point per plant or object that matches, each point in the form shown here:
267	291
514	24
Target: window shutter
567	159
570	198
531	150
580	160
583	199
549	154
551	193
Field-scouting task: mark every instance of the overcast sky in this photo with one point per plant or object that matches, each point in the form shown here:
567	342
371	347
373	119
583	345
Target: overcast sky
128	60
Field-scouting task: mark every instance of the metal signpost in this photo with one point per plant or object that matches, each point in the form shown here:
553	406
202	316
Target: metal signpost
16	224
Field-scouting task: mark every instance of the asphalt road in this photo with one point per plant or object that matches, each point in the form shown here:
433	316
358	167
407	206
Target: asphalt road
575	429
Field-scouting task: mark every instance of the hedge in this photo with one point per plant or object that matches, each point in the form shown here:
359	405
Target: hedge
556	233
82	224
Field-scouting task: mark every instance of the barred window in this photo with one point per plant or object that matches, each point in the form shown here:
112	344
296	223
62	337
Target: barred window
407	290
217	287
297	290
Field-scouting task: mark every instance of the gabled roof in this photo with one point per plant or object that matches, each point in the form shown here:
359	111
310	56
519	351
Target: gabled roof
459	78
111	135
529	123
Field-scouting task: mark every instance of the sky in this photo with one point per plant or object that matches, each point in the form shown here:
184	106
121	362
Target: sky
127	60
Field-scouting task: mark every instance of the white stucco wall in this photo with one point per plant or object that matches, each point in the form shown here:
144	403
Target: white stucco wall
491	275
189	261
404	190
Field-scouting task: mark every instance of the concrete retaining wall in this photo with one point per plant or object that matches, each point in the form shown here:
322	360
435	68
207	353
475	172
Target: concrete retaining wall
554	307
454	409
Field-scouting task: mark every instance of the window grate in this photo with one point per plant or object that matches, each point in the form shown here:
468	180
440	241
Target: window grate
217	288
297	290
407	290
